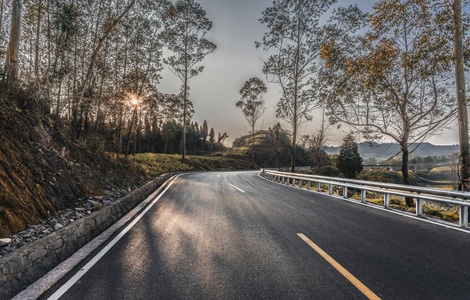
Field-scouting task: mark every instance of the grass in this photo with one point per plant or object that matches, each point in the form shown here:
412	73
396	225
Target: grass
155	164
442	169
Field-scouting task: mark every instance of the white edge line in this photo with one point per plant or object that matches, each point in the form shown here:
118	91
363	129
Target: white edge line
62	290
239	189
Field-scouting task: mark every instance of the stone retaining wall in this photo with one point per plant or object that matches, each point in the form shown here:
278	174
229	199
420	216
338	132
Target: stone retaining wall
27	264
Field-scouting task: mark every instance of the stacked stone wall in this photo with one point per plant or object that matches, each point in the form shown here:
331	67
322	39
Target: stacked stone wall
27	264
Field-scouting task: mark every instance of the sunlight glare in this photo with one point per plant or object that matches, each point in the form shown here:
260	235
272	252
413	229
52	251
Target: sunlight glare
134	100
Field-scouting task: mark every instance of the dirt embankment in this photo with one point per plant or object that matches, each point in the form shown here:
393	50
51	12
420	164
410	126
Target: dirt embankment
42	172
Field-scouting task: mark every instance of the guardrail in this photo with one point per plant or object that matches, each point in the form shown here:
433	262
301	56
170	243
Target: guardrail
419	194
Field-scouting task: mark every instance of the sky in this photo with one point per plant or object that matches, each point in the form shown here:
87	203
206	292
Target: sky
214	92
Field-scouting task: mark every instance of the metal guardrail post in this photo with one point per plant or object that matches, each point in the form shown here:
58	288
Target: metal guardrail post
363	196
387	200
309	185
330	189
463	216
419	207
301	183
318	187
345	192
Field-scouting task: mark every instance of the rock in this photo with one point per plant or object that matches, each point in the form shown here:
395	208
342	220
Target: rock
54	223
5	242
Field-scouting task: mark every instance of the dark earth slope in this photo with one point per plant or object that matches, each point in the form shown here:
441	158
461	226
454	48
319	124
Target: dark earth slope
42	172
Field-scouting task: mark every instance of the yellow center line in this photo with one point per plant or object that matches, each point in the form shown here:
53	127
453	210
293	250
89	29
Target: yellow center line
359	285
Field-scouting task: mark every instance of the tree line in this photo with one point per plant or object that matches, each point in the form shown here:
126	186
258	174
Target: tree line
95	66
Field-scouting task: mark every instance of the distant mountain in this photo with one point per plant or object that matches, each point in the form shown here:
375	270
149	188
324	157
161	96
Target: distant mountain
386	150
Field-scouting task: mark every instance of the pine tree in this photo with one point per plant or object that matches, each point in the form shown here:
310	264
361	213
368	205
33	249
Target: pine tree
349	160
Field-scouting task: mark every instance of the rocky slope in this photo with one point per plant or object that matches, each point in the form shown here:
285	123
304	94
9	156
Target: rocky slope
41	172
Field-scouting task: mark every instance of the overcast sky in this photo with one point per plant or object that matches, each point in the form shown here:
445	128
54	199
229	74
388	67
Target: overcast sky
215	90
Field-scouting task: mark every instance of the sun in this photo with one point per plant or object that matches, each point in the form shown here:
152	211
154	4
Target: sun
134	100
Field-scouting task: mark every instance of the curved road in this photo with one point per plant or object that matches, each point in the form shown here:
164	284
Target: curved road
233	235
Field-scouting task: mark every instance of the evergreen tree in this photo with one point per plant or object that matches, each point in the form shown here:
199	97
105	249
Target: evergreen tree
349	161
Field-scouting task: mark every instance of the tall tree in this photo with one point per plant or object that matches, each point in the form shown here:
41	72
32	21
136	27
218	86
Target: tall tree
212	136
11	62
391	81
186	26
349	160
294	37
464	170
1	20
204	134
36	44
252	105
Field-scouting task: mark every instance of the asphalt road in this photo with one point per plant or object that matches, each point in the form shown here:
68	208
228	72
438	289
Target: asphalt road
234	235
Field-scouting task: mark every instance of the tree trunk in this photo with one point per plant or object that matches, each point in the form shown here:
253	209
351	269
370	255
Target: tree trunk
1	13
404	171
36	46
461	98
134	115
295	121
294	125
185	107
253	145
11	63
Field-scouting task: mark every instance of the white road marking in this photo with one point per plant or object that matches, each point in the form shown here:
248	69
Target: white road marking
239	189
62	290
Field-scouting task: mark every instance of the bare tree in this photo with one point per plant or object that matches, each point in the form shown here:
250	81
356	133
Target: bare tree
464	169
294	37
317	140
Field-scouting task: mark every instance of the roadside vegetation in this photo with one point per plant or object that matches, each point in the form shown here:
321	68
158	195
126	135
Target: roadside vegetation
154	164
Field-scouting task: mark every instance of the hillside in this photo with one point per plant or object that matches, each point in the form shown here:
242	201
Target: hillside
387	150
41	172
